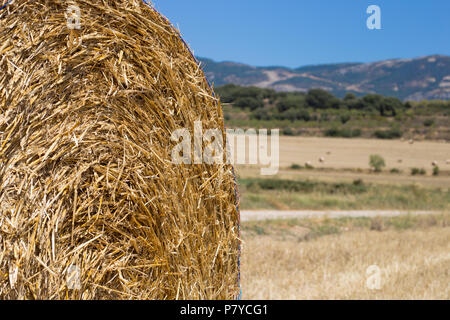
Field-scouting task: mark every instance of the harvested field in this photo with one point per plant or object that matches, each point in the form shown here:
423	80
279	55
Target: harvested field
322	258
342	153
354	153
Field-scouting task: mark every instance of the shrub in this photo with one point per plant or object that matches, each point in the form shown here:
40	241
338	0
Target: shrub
305	186
267	113
377	162
395	170
349	96
417	171
288	132
324	117
428	122
249	102
291	102
333	132
344	133
308	166
436	171
296	166
345	118
321	99
295	114
388	134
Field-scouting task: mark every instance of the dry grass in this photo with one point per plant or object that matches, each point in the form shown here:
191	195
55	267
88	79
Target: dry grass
280	260
86	177
354	153
348	159
343	175
295	194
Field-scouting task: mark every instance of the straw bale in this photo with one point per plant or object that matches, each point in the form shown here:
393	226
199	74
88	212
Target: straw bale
87	184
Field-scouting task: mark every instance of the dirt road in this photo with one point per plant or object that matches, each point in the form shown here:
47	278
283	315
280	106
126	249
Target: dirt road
274	214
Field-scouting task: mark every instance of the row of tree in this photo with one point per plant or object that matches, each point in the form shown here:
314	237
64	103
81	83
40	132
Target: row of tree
266	104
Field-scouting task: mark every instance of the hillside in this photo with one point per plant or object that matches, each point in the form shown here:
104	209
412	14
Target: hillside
407	79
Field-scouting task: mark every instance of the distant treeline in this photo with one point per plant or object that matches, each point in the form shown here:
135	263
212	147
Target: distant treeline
268	104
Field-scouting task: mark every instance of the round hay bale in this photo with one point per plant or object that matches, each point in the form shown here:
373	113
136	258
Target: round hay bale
91	204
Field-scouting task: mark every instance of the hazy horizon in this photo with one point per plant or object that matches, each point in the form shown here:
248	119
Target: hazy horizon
320	64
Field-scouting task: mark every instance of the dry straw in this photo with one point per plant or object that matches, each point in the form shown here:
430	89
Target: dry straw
86	179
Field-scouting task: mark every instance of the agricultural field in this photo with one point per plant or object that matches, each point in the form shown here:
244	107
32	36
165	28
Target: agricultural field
344	179
330	258
353	154
323	257
341	153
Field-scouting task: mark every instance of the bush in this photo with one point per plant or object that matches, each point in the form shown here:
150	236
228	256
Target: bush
377	162
308	166
321	99
296	166
324	117
295	114
428	122
395	170
345	118
261	114
384	105
288	132
388	134
305	186
291	102
417	171
248	102
436	171
349	96
344	133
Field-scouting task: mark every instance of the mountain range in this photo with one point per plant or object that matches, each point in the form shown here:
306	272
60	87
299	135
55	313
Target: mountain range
407	79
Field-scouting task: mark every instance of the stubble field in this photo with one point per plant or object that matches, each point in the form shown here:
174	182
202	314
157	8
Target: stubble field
321	258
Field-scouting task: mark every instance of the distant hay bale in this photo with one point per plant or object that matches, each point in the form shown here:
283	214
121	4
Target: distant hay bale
91	205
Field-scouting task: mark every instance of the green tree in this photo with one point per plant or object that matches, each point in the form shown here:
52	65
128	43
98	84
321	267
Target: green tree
249	102
321	99
349	96
356	104
377	162
391	104
291	102
227	93
374	101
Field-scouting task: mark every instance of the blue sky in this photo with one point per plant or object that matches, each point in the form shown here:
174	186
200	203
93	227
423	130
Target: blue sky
301	32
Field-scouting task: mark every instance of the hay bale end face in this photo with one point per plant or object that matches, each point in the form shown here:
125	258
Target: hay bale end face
91	204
